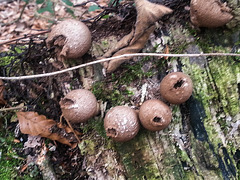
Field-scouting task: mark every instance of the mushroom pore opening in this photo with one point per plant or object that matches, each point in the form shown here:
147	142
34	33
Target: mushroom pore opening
111	132
178	84
67	102
157	119
59	40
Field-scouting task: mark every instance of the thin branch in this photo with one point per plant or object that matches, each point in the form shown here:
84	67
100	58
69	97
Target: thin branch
25	5
74	132
23	37
12	108
117	57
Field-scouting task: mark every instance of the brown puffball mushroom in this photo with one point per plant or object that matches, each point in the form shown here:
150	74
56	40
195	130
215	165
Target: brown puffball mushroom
176	87
155	115
121	123
209	13
71	38
79	105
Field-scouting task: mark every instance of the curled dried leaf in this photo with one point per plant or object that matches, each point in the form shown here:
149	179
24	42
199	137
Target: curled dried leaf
38	125
147	14
2	87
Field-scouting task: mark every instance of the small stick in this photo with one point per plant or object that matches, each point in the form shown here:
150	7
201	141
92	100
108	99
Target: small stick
69	124
23	37
12	108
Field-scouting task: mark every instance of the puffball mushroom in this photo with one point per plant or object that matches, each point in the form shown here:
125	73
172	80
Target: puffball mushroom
155	115
71	38
176	87
79	105
121	123
209	13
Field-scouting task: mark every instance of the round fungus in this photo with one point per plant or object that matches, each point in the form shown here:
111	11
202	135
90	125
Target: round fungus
176	87
209	13
121	123
155	115
79	105
70	38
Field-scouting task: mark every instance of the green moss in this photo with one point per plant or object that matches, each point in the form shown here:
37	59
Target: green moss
225	79
87	146
9	158
96	124
11	60
183	156
215	86
137	157
115	90
133	72
10	161
112	95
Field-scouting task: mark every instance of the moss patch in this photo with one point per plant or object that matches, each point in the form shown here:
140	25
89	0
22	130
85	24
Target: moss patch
10	160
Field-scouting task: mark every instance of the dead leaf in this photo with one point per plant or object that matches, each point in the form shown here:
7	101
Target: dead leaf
38	125
16	141
2	87
131	48
147	14
166	51
23	168
20	27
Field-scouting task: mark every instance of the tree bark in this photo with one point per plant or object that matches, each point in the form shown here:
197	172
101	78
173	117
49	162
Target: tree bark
203	139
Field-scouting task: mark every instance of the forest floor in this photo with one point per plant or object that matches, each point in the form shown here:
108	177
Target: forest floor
23	51
25	24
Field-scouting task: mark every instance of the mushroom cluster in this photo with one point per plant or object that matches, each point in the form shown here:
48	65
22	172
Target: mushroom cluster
121	123
72	39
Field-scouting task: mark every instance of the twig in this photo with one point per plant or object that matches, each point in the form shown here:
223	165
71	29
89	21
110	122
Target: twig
116	57
75	134
12	108
25	5
23	37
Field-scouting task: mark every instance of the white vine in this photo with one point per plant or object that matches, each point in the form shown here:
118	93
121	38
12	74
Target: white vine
116	57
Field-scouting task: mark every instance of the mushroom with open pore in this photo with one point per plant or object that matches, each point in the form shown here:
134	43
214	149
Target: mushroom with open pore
155	115
121	123
71	39
79	105
176	87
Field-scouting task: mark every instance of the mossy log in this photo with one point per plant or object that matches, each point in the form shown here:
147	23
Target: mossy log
203	139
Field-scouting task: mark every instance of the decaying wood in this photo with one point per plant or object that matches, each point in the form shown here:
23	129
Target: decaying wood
203	140
44	165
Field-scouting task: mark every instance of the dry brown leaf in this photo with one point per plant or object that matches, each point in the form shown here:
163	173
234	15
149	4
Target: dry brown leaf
147	14
166	51
38	125
39	24
2	101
